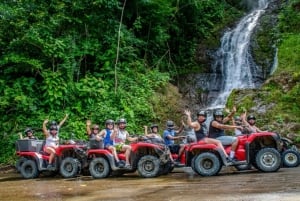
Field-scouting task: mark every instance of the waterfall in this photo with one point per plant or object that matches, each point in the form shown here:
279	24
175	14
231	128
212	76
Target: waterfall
234	67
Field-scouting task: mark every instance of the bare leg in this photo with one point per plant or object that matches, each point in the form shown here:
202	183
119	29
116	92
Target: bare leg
127	150
234	145
51	151
180	151
114	152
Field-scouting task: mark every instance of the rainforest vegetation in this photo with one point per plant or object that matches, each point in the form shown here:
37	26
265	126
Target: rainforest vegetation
107	59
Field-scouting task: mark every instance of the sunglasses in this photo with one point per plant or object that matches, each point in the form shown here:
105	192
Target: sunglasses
95	128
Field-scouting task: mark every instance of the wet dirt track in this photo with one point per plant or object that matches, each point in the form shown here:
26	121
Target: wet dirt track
180	185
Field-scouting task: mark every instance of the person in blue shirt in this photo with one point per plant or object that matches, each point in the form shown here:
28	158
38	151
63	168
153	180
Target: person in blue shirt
169	136
108	135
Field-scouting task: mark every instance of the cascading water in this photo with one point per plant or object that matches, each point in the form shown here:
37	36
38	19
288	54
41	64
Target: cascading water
234	67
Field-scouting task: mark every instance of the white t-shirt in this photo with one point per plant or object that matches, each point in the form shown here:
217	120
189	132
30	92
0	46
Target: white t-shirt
121	137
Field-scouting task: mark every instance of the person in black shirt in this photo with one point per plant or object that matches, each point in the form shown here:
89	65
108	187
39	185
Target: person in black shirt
217	129
201	130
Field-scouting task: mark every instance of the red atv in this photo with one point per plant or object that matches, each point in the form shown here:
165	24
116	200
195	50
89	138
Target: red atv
149	158
260	150
33	160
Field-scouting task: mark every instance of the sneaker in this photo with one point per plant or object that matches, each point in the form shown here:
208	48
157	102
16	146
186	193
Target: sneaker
127	166
119	164
232	160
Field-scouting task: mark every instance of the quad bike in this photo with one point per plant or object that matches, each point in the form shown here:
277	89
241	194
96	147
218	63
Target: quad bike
33	160
290	155
149	158
260	150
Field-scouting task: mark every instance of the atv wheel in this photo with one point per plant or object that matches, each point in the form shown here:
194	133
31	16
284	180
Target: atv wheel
99	168
29	169
69	167
207	164
290	158
19	163
148	166
193	163
268	160
166	168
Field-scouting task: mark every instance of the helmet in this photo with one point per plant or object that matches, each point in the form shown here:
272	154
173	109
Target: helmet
95	127
53	127
53	123
122	120
202	113
218	113
28	130
153	126
170	124
251	117
109	121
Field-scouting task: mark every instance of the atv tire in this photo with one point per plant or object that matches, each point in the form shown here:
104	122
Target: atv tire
166	168
290	158
69	167
207	164
19	163
148	166
268	160
29	169
99	168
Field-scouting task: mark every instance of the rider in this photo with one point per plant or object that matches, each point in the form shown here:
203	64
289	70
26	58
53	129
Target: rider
154	132
29	134
108	135
169	137
121	136
92	133
217	129
52	141
201	130
251	120
54	123
189	132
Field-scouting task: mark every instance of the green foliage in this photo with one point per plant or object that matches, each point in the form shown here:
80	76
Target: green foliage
290	17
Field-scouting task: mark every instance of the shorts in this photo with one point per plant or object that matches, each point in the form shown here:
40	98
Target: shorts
227	140
119	147
174	148
107	145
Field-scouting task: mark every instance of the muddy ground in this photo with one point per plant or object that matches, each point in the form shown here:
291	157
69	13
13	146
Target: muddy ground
182	184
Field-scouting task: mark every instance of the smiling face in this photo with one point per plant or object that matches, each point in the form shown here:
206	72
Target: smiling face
122	125
110	126
53	131
95	129
251	121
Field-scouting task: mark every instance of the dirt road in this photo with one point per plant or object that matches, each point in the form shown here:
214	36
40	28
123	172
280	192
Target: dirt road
183	184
